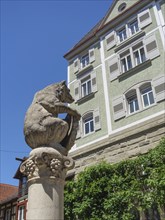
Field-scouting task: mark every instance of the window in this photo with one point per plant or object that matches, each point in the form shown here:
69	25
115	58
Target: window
86	88
23	186
21	212
139	98
133	27
147	96
88	124
139	54
8	214
133	104
122	34
132	101
122	7
132	57
84	60
126	63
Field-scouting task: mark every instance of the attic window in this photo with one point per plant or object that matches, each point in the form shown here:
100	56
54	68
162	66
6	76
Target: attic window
122	7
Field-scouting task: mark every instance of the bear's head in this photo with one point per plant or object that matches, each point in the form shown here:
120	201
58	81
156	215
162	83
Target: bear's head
63	93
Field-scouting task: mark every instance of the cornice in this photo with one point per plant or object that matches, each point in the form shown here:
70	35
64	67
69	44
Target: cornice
104	28
157	121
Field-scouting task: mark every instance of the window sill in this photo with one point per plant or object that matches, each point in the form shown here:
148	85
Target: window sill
129	40
132	70
86	68
85	98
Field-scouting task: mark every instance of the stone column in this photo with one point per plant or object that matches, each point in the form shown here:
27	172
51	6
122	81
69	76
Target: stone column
46	170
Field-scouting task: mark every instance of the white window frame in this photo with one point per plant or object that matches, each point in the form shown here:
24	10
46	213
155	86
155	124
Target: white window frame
85	60
126	28
131	24
21	212
126	67
130	52
120	33
141	60
139	97
88	120
133	101
148	96
86	86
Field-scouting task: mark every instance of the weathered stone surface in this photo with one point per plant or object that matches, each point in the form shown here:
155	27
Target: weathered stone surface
46	171
50	138
46	162
42	127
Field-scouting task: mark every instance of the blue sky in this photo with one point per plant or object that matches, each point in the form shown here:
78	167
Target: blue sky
34	37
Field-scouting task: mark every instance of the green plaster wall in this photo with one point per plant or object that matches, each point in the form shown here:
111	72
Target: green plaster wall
92	104
147	29
126	81
94	64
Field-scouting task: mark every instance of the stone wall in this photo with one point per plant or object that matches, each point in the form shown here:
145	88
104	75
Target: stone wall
126	144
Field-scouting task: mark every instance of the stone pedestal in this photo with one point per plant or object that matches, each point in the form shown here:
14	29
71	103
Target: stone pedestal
46	170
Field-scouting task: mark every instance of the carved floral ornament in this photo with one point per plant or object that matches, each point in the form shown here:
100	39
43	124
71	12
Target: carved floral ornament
46	162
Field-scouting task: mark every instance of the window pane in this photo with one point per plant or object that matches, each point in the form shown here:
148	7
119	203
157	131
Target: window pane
86	128
148	97
91	126
21	213
133	104
88	125
124	67
85	60
131	107
145	99
136	105
89	87
129	62
151	97
134	27
122	35
84	92
143	57
137	58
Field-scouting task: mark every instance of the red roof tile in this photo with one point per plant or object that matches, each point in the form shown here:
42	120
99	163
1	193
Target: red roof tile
7	192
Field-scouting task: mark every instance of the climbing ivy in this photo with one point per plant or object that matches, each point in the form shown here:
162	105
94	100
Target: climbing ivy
119	191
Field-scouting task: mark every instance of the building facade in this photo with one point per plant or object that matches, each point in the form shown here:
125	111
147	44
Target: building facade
116	75
8	202
13	200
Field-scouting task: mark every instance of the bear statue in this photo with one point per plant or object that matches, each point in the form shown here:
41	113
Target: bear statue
43	127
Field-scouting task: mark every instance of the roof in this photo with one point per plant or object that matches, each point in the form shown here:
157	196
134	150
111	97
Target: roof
99	26
7	192
18	173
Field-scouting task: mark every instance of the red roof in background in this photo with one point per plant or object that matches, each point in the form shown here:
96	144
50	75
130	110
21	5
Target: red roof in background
7	192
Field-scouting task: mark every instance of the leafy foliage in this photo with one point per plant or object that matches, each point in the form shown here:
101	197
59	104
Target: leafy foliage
118	191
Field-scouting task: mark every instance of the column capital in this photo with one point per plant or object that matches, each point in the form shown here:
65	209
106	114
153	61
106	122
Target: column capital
46	162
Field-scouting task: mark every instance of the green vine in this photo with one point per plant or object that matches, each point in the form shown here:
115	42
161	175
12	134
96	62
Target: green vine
120	191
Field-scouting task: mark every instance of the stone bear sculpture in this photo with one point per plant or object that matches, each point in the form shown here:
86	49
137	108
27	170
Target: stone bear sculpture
42	127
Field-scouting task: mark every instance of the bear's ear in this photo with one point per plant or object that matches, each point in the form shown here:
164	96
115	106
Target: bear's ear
63	83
